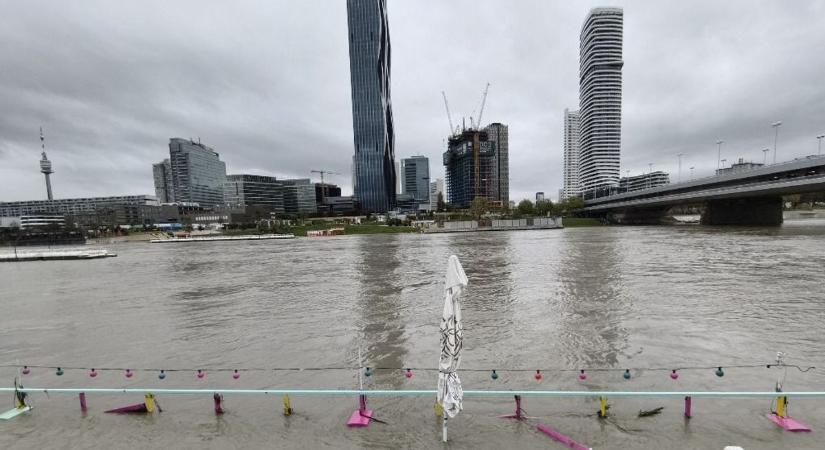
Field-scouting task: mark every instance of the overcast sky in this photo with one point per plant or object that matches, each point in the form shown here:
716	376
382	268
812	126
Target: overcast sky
267	85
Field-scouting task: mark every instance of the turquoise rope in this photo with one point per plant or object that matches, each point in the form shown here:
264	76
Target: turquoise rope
416	393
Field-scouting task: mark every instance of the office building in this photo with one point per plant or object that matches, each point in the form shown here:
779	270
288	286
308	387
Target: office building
738	167
339	205
299	197
406	203
436	187
198	174
87	212
644	181
374	173
600	98
539	196
398	177
40	220
571	155
415	178
499	135
476	165
254	190
164	188
324	190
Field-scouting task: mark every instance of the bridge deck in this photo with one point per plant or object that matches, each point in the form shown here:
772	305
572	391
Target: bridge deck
798	176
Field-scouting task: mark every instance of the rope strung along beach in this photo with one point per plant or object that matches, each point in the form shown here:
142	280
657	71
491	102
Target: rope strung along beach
407	371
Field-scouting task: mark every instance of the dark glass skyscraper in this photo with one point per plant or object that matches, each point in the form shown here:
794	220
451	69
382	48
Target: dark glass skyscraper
373	164
198	174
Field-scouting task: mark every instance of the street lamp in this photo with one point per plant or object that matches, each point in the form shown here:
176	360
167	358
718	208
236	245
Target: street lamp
765	156
775	126
719	154
680	166
819	144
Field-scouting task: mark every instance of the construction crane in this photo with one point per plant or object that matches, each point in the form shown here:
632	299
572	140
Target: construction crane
449	118
323	184
483	101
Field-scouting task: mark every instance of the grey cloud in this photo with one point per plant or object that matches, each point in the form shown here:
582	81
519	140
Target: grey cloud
267	85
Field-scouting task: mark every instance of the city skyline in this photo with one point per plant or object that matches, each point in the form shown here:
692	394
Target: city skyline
108	113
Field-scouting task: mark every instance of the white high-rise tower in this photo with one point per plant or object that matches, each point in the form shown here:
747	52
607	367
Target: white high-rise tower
600	98
571	155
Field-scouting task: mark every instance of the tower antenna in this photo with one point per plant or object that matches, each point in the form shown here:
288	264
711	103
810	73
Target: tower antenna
45	165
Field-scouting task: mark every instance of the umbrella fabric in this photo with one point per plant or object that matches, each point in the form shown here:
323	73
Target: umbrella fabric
449	385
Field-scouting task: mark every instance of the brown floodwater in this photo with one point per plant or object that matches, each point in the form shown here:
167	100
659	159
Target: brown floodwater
613	297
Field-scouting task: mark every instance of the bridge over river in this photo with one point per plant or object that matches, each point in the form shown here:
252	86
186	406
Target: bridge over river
752	197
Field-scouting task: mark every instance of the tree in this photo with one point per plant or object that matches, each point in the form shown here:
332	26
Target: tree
544	207
525	207
441	206
479	206
569	205
505	208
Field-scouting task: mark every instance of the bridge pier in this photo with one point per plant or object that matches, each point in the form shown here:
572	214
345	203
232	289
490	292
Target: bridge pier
758	211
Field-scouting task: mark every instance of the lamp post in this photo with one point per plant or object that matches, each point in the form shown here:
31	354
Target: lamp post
765	156
775	126
719	153
819	144
680	167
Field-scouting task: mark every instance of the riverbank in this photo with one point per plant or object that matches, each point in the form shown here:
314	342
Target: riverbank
573	222
216	238
50	254
354	229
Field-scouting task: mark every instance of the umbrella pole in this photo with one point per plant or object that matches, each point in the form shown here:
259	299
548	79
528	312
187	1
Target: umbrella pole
444	429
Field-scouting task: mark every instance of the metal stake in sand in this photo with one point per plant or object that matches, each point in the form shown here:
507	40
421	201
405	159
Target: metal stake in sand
82	397
360	417
218	399
780	416
517	414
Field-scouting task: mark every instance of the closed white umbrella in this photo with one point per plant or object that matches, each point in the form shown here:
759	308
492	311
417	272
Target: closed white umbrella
452	336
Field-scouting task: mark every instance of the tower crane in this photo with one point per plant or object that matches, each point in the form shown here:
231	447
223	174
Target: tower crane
449	118
323	184
483	101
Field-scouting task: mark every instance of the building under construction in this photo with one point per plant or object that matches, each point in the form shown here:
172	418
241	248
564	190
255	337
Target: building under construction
476	165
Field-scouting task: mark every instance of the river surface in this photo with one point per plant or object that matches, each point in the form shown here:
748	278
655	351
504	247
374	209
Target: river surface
612	297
